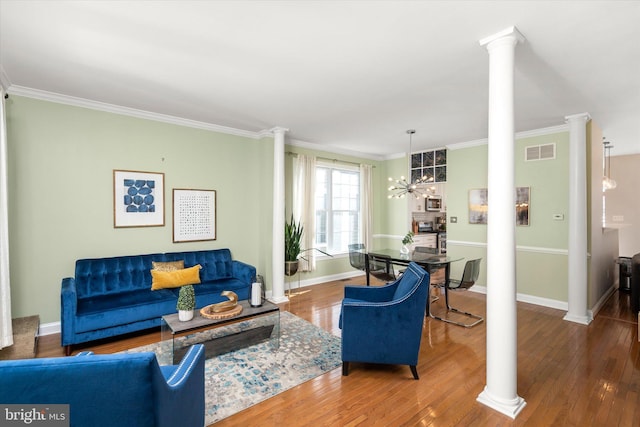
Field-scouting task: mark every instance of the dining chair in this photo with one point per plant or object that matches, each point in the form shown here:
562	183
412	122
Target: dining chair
436	272
357	256
469	278
381	268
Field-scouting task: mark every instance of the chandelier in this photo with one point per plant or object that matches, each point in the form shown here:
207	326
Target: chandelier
404	187
607	182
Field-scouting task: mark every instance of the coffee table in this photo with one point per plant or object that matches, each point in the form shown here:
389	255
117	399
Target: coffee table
253	325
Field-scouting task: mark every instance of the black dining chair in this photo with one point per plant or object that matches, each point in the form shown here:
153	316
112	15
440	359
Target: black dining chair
357	256
379	266
436	272
469	278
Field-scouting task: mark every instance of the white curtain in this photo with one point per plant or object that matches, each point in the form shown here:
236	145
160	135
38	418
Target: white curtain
6	333
366	205
304	190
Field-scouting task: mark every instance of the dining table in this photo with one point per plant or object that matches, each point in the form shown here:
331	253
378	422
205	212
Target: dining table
426	260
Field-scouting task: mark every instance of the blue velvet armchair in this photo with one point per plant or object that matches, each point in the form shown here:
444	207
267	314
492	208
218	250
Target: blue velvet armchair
383	324
111	390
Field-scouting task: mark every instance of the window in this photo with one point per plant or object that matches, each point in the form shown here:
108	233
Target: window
337	208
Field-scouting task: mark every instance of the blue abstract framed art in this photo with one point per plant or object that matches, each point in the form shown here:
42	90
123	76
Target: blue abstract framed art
138	199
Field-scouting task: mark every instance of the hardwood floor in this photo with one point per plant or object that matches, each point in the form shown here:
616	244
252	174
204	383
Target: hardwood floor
568	374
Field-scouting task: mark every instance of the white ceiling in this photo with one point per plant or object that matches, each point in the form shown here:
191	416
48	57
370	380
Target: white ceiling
351	76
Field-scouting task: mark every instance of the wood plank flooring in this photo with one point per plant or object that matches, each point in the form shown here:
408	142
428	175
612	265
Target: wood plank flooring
568	374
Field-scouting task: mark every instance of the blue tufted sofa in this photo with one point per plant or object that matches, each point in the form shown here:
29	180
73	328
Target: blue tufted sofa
113	296
110	389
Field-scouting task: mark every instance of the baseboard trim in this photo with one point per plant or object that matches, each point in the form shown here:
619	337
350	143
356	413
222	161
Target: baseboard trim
55	327
530	299
49	328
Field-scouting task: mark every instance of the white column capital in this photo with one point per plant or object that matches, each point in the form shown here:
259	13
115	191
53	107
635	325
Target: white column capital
508	34
580	116
278	130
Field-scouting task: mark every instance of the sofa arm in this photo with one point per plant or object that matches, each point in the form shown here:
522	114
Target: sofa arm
181	391
68	310
243	272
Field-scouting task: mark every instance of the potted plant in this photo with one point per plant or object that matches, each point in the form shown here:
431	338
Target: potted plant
292	252
186	303
408	238
292	237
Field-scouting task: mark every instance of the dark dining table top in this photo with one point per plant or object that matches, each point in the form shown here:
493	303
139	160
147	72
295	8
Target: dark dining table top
418	257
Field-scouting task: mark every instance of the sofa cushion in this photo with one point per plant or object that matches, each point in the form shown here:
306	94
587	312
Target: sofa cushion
176	278
105	311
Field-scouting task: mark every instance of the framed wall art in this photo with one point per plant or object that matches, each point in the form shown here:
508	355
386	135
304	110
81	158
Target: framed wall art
479	205
194	215
523	198
138	199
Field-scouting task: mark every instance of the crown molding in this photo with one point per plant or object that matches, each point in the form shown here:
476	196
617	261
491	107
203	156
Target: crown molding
543	131
333	149
519	135
126	111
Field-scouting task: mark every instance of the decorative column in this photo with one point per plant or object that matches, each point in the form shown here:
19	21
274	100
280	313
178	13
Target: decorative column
500	393
277	256
578	283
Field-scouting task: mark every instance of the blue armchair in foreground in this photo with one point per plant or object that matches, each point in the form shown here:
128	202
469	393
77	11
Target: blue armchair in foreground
112	389
383	324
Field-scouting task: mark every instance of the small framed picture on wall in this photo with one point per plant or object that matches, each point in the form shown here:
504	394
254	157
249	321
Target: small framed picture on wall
138	199
194	215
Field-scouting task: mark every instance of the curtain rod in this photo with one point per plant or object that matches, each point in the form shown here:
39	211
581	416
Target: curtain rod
291	153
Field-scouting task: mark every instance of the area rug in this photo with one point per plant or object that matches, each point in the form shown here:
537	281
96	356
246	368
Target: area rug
237	380
25	339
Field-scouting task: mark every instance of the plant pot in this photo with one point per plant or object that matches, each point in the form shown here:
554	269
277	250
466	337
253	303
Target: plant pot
404	250
290	268
185	315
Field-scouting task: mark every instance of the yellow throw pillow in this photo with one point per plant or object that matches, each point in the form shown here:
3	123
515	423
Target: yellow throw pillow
175	279
168	266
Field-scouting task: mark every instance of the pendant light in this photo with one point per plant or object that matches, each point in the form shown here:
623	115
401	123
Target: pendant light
404	187
607	182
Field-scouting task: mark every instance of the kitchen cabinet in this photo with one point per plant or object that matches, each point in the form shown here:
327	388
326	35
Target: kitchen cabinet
429	240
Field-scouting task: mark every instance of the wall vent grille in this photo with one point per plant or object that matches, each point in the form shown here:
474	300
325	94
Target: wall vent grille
540	152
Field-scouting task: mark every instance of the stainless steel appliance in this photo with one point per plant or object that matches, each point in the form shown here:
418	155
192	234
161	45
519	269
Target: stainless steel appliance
424	226
433	203
442	242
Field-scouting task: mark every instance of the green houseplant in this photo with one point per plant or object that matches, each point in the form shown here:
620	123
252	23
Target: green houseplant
186	303
292	252
408	238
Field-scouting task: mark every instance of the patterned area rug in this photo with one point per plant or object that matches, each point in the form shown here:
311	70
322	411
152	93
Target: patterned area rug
237	380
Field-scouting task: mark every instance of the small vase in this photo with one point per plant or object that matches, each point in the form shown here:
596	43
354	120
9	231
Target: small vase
404	250
185	315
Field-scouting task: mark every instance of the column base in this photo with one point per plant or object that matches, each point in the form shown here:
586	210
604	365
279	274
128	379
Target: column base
510	408
583	320
278	300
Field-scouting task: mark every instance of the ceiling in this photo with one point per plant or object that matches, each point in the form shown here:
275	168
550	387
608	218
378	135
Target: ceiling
349	76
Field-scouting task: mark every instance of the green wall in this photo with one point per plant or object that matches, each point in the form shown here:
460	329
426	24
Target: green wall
541	262
61	162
